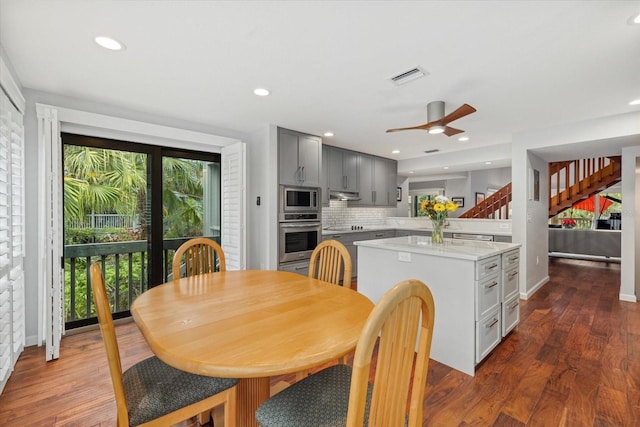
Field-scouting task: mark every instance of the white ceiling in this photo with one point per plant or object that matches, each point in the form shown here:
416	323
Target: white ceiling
523	65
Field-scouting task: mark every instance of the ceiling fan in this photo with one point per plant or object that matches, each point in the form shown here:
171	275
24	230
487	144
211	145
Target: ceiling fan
438	121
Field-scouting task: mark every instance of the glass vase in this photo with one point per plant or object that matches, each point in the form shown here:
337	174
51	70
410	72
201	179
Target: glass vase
436	234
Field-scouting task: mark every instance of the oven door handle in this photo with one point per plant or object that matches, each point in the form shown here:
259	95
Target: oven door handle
299	225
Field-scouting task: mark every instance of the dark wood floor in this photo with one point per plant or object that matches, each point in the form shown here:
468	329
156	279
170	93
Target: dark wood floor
574	360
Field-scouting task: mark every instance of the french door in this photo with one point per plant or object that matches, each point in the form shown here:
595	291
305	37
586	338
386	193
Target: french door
128	206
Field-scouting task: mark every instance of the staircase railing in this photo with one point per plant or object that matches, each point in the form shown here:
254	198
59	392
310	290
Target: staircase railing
496	206
571	181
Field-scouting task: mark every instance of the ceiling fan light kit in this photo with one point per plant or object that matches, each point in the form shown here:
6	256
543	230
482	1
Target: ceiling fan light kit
438	121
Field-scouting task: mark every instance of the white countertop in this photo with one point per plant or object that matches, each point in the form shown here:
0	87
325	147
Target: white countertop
461	249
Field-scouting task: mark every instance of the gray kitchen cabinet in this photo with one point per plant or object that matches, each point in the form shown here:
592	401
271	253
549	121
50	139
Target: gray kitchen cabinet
380	178
392	181
377	181
404	233
342	169
299	157
348	238
324	177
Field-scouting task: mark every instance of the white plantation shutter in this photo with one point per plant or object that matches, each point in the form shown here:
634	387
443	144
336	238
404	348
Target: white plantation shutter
50	211
5	244
12	237
233	205
16	276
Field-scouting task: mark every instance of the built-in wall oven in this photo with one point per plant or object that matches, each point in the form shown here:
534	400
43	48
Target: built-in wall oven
300	226
298	240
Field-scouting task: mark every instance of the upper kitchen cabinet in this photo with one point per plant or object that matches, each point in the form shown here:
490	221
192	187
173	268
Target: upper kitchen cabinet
325	176
299	157
377	181
342	169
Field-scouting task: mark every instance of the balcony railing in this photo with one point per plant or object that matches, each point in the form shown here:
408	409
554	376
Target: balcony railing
124	265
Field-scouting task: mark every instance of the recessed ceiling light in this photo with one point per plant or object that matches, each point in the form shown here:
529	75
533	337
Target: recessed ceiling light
328	134
436	129
487	163
634	19
446	167
395	151
261	92
635	102
410	171
109	43
463	138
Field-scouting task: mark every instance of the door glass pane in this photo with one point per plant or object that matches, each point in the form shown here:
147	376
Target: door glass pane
190	203
105	221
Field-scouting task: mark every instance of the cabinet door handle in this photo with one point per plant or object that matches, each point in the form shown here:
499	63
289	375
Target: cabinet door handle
514	306
512	275
298	174
373	195
490	267
302	170
491	285
492	324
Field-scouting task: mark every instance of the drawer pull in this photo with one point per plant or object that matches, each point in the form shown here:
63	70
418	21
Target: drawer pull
300	268
512	275
514	306
514	258
491	285
380	235
337	236
490	267
492	324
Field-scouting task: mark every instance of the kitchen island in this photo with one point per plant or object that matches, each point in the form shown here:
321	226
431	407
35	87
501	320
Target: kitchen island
474	286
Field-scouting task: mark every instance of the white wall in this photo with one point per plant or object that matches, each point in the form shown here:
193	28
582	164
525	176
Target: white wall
262	232
32	173
630	267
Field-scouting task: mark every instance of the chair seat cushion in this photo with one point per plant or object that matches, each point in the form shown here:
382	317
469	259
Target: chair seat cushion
153	389
320	400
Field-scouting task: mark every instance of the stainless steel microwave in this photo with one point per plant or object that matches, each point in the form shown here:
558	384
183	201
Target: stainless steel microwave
299	200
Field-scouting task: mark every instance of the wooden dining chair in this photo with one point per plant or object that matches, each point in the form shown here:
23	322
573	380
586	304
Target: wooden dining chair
199	257
152	393
341	395
331	262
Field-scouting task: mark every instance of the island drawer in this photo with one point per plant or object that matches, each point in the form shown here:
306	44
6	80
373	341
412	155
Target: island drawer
487	295
488	266
509	283
510	314
488	334
511	258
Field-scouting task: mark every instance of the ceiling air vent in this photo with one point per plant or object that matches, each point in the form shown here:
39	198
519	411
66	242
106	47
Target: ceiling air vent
435	150
409	76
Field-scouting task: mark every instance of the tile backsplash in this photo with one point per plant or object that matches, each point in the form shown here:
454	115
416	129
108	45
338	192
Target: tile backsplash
339	214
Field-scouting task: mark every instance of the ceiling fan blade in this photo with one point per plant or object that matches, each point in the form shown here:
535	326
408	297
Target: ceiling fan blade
449	131
462	111
421	127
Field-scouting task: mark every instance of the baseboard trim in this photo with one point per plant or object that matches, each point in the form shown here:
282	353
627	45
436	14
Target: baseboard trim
628	298
534	289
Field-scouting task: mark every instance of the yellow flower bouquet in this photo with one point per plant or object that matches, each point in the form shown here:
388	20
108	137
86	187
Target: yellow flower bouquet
437	209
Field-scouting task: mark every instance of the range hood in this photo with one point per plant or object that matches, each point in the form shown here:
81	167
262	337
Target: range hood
344	195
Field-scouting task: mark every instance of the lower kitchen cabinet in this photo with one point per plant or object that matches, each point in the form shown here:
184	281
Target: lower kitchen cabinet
348	239
300	267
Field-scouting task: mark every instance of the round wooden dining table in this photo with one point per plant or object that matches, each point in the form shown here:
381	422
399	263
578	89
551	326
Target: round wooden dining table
250	324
